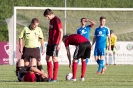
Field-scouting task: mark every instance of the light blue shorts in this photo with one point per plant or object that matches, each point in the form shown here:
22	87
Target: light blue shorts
99	51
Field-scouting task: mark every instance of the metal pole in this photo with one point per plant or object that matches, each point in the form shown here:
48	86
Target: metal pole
65	20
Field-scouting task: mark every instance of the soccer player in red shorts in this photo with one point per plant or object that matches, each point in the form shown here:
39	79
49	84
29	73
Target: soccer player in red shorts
83	50
54	43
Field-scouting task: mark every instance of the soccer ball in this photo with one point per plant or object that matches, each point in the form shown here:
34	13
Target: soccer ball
69	76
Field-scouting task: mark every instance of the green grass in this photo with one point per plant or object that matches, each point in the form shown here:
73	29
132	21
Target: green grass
120	76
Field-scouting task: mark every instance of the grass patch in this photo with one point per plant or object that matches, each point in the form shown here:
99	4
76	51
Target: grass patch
119	76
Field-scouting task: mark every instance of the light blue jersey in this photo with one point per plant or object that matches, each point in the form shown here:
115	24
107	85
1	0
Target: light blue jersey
101	36
85	31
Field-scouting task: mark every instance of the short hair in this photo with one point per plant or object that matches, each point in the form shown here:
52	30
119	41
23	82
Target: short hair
39	78
34	20
82	19
47	12
102	17
65	36
111	31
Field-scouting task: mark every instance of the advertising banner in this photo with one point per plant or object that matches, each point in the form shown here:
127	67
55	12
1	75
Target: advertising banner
124	54
4	53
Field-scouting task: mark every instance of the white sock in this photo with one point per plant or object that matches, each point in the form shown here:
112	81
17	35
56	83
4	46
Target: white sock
106	59
114	57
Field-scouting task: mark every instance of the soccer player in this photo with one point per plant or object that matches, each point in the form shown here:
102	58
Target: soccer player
54	43
83	50
30	74
31	35
113	38
100	36
85	30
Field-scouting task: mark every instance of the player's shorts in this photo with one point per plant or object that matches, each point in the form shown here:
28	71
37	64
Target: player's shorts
99	51
20	75
52	50
113	48
29	53
83	50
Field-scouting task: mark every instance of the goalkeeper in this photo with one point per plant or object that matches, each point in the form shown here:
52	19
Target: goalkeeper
113	38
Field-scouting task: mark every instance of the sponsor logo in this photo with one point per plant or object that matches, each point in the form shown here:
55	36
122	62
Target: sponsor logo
100	33
5	59
83	32
129	46
117	46
6	47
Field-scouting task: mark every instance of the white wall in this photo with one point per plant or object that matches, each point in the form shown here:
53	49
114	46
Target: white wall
124	54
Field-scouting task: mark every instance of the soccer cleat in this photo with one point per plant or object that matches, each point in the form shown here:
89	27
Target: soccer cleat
103	69
82	79
98	72
53	81
49	80
72	79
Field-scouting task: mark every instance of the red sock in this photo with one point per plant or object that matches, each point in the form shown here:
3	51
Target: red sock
49	69
83	69
74	69
55	73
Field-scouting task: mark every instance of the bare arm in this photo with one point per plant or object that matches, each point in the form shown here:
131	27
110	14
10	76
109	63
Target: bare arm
61	36
68	55
42	45
109	40
33	69
92	22
20	45
115	42
93	42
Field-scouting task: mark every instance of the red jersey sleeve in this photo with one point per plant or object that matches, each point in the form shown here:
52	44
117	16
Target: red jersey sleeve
59	23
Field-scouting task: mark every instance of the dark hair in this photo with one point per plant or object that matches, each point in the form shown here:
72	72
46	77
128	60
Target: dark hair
102	17
47	12
39	78
34	20
111	31
82	19
65	36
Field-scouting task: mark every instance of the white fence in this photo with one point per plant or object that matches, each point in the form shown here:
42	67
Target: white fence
124	54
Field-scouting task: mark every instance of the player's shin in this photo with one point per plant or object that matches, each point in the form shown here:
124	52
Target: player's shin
55	71
83	69
106	59
97	61
49	69
100	65
114	57
74	69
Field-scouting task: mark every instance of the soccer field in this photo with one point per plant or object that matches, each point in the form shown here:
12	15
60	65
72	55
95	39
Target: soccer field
119	76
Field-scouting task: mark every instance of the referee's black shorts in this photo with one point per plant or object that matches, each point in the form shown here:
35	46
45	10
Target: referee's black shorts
29	53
